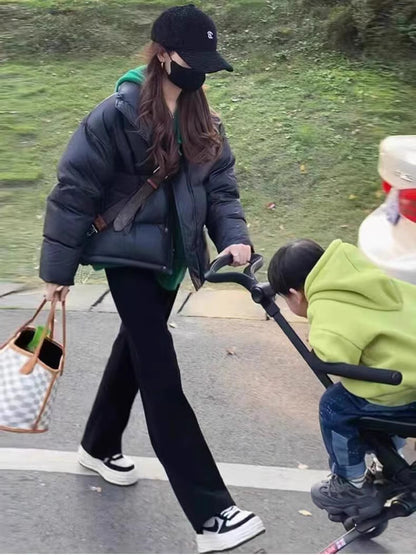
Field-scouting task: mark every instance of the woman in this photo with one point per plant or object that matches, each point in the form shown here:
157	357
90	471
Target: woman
157	125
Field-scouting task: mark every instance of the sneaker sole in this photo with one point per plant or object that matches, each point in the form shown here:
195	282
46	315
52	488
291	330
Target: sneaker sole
217	544
112	476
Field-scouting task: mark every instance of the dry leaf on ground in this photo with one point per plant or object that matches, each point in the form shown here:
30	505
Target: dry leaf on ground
96	488
304	512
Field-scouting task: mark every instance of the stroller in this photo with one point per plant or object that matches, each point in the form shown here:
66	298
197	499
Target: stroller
397	479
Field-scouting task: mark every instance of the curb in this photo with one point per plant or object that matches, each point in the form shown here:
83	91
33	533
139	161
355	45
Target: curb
206	303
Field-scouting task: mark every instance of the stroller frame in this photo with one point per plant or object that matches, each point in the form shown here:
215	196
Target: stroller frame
398	480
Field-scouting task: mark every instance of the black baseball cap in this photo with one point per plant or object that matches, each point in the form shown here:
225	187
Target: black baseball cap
193	35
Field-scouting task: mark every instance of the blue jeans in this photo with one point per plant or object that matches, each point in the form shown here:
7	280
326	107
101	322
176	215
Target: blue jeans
338	414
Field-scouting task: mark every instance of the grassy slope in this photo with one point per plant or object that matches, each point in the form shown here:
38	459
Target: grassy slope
305	130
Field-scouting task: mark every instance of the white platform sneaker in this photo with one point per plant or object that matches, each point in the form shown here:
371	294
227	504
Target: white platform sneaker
118	469
227	530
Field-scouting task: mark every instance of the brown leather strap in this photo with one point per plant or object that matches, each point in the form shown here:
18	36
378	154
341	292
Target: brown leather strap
49	328
30	364
51	335
63	322
123	212
23	326
63	306
129	211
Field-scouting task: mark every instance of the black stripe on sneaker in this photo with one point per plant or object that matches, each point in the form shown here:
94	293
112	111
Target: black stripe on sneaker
119	468
223	528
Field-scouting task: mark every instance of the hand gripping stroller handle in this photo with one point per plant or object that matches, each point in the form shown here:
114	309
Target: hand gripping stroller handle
362	373
246	278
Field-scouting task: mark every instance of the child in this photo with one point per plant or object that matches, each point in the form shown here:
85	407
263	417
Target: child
357	315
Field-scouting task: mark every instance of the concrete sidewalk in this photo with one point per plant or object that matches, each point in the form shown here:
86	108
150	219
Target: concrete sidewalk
208	302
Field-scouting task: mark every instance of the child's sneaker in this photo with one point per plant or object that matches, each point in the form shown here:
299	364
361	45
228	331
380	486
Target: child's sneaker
337	495
230	528
118	469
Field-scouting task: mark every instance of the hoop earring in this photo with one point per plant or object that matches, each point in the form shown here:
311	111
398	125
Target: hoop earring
162	65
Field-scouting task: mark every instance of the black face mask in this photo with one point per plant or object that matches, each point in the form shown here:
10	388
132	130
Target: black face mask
185	78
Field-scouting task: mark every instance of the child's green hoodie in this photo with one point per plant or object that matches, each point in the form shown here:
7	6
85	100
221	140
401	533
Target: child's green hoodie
358	314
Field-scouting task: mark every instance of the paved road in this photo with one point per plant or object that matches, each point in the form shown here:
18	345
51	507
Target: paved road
257	407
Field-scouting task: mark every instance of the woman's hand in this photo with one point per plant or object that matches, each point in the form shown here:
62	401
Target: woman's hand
241	254
53	290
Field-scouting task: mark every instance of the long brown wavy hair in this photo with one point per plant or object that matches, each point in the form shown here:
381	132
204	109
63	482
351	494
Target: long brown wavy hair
201	140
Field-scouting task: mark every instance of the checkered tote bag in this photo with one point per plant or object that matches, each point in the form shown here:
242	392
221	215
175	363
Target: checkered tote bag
28	376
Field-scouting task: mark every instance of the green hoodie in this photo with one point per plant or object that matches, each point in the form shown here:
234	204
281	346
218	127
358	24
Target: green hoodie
136	75
169	282
358	314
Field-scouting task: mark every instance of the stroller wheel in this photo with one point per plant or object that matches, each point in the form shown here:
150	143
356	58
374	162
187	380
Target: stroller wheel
371	533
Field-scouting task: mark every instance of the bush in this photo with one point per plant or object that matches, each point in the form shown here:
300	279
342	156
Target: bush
381	27
404	19
373	25
86	30
342	31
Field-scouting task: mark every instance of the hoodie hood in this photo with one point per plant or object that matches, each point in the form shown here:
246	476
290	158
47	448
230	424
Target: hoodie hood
343	274
137	75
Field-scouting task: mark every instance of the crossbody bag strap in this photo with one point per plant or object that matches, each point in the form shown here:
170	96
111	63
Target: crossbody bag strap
122	213
129	211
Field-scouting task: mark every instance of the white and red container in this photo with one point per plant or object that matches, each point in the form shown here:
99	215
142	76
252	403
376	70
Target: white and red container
388	235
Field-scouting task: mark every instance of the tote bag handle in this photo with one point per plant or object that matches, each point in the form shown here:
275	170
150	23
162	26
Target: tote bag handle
30	364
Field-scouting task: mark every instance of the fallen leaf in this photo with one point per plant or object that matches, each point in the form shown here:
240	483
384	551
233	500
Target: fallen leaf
303	168
271	206
231	351
379	194
344	226
281	227
352	197
173	325
96	488
304	512
302	466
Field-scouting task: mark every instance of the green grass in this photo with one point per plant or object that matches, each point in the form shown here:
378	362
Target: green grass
304	126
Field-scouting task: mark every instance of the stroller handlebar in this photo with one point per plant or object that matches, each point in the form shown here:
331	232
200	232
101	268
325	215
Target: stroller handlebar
245	278
262	294
356	372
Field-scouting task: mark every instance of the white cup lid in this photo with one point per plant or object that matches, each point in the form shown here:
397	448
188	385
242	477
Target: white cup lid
397	161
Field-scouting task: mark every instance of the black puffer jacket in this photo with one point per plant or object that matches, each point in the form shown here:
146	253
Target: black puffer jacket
109	144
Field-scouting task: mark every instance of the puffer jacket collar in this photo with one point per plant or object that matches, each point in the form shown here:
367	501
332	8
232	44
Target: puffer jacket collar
127	102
